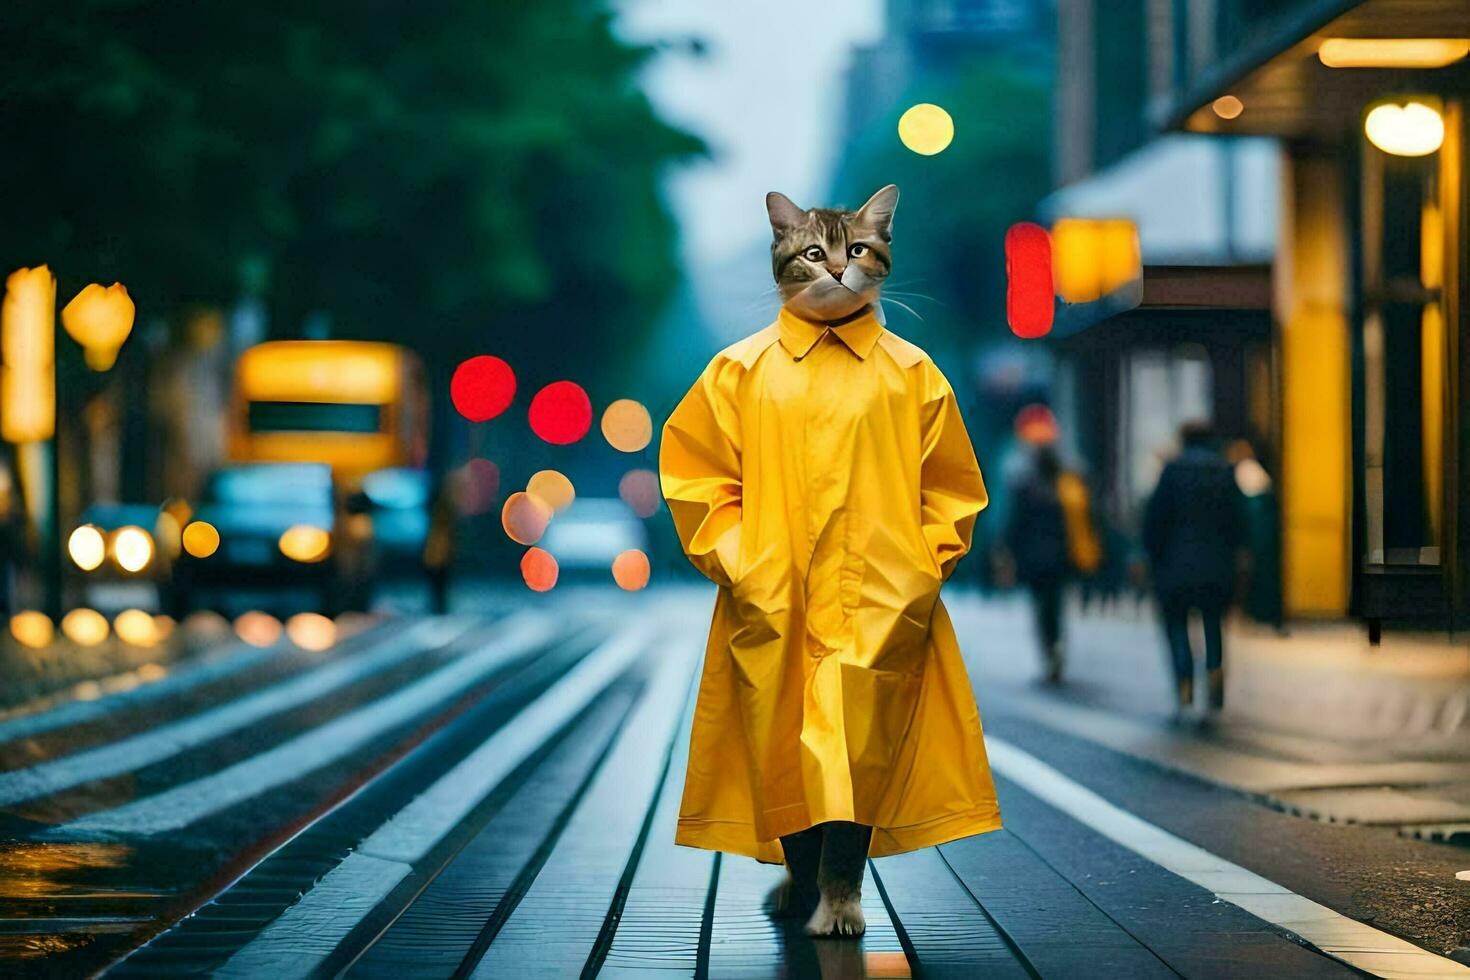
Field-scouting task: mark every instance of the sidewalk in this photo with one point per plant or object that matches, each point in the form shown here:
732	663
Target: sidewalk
1316	722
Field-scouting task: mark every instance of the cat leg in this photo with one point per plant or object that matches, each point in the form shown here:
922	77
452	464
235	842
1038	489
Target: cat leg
796	896
840	880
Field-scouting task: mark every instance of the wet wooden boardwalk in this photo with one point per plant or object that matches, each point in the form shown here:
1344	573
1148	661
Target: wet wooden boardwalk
550	854
477	797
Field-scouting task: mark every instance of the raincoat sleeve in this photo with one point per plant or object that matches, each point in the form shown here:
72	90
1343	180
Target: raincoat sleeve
951	490
699	470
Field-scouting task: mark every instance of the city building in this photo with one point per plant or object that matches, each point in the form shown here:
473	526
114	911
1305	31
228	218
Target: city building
1363	194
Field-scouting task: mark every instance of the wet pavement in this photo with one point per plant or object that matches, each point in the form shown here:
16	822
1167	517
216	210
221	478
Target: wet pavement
494	793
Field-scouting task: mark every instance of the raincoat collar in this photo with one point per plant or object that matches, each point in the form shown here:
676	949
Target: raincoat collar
799	335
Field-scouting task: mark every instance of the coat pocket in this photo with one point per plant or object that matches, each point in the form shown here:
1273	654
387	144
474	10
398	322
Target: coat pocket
900	587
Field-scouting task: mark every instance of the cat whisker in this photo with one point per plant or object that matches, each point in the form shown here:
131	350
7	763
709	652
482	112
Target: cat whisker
904	306
900	292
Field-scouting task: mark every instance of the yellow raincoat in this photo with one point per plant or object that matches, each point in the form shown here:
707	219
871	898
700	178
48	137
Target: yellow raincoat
822	477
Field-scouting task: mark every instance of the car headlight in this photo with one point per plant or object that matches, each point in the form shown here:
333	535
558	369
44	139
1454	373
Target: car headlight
305	543
87	547
132	548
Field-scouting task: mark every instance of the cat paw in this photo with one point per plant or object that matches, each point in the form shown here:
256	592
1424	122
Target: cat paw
839	917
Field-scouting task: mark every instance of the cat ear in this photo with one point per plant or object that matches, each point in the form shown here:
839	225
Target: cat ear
878	212
784	214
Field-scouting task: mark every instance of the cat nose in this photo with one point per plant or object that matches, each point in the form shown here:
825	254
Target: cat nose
837	273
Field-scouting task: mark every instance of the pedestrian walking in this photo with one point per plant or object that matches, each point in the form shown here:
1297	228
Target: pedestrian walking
819	472
1193	528
1051	539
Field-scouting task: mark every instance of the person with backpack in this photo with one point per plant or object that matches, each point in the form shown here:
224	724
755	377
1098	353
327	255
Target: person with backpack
1051	538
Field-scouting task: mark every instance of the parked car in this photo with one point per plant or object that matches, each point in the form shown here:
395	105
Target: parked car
272	528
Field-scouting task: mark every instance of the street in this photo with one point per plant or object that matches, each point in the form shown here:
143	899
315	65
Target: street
493	793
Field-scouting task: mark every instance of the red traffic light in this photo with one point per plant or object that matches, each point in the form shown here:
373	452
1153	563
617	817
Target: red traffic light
482	388
1029	292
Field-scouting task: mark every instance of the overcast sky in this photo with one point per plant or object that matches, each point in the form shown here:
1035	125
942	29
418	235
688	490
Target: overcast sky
767	97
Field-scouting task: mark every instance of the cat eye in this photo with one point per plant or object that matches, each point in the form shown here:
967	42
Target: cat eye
858	250
814	254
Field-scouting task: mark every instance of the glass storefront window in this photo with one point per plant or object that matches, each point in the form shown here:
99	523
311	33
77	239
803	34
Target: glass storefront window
1403	359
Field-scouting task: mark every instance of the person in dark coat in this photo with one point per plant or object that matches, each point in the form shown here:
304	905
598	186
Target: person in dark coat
1193	528
1036	536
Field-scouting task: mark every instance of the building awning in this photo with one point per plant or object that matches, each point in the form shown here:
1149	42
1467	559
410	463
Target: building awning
1176	304
1195	200
1286	90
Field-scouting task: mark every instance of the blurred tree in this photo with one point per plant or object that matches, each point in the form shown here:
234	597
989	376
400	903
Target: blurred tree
460	175
955	207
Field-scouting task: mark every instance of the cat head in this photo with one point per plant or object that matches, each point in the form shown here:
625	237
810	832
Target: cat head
830	263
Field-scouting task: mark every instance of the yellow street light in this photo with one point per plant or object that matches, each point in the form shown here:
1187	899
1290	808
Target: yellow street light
27	356
132	548
1392	52
305	543
100	319
1408	129
925	128
201	539
87	547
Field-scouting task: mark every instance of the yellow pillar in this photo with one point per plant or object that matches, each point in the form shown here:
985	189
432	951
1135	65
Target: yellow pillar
1311	310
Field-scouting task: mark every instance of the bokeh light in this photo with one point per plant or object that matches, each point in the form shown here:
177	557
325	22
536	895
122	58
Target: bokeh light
1036	425
85	627
206	624
132	548
524	518
201	539
476	487
100	319
32	629
1413	129
640	491
135	627
168	533
482	388
87	547
925	128
1029	305
552	488
1228	107
539	570
311	631
164	625
561	413
305	543
630	570
257	628
626	425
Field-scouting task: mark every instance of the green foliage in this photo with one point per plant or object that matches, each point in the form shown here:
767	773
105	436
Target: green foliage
461	175
955	206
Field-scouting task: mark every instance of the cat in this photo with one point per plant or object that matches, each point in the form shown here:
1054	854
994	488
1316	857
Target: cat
829	265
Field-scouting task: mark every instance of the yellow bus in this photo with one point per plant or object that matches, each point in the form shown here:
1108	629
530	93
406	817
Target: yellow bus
357	406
